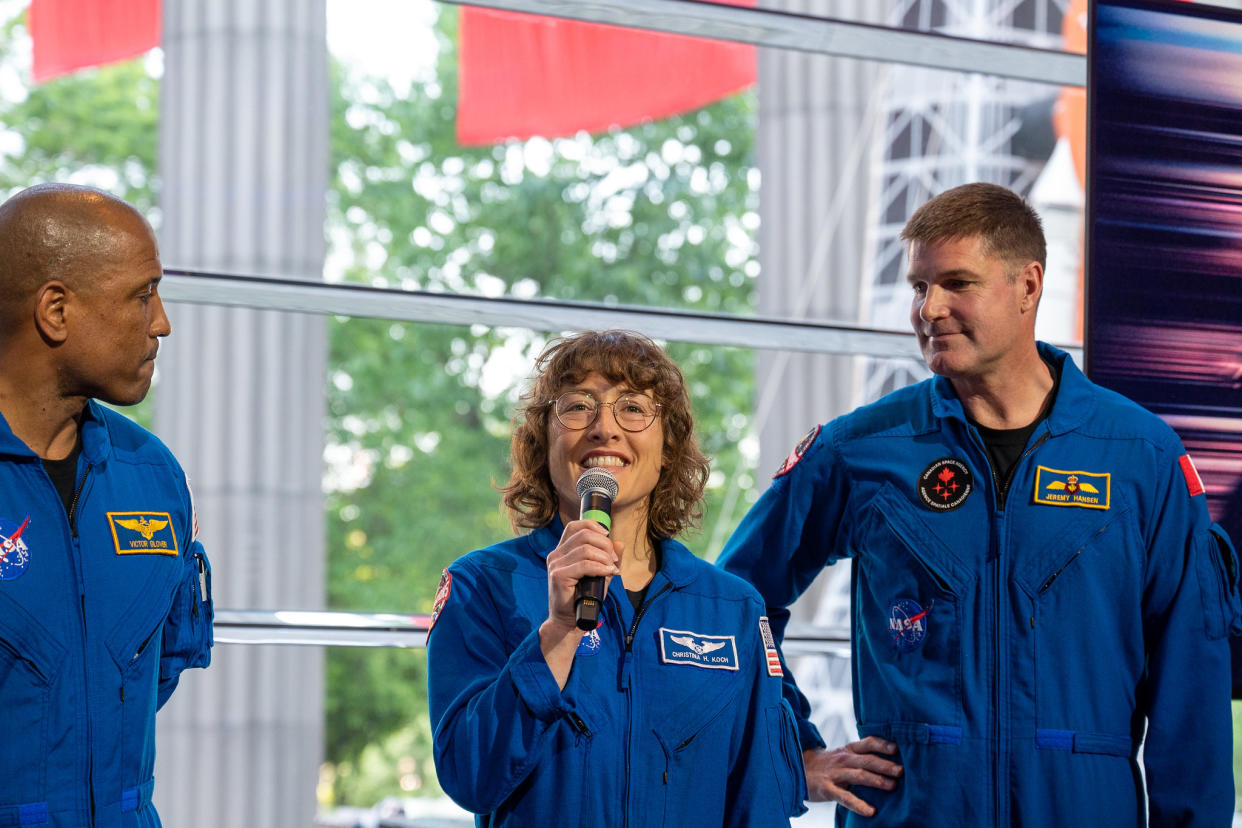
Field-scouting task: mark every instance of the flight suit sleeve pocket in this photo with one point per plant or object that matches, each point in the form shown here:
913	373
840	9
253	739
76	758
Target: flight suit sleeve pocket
1217	564
786	759
188	635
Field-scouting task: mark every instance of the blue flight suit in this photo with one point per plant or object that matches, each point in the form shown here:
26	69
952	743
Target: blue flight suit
1015	650
100	611
671	717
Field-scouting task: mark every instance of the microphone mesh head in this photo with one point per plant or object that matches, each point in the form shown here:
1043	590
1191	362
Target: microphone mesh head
598	480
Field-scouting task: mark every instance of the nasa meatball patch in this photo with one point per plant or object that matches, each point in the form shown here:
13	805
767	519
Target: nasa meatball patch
945	484
14	553
907	624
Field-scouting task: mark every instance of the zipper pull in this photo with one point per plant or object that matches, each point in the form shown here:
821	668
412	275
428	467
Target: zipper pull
579	726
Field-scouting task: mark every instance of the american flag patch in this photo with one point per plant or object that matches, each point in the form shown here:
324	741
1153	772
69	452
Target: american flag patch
769	648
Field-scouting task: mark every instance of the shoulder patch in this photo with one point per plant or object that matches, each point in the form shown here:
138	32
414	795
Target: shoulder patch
442	596
770	655
1194	483
796	454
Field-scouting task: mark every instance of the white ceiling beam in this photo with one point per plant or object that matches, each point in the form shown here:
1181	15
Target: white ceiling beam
820	35
540	315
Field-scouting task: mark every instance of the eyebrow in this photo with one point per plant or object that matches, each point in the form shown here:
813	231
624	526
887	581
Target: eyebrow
911	277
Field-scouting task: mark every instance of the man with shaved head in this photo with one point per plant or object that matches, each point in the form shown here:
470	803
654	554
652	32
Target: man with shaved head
104	588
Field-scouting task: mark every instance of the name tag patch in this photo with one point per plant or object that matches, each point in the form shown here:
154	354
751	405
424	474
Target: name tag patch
143	533
714	652
1087	490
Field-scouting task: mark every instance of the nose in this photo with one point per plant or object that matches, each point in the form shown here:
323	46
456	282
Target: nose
932	305
605	427
160	326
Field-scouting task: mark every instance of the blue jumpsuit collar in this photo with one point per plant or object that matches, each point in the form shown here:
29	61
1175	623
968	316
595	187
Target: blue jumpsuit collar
1074	403
96	441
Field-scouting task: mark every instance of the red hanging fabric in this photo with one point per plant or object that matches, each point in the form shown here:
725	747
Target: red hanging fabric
522	75
73	34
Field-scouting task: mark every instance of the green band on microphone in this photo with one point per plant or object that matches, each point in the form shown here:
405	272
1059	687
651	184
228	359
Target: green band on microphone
602	518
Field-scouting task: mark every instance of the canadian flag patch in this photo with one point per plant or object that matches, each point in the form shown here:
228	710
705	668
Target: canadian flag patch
1194	483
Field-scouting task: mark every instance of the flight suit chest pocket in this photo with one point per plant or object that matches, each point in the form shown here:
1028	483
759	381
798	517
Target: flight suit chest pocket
31	661
908	604
1093	545
1085	587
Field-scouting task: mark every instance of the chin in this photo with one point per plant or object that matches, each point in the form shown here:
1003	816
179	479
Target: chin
131	396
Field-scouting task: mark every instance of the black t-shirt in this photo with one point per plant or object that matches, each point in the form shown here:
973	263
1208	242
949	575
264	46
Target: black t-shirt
64	474
1005	445
637	596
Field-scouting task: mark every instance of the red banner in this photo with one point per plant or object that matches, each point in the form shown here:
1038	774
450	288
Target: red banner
522	75
73	34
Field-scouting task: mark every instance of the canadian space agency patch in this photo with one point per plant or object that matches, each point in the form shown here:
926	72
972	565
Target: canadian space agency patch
945	484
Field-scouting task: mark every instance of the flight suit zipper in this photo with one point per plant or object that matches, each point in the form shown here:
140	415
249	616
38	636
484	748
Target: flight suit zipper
629	720
1001	491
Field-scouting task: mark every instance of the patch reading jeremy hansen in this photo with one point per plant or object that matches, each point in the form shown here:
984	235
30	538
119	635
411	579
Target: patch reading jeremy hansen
945	484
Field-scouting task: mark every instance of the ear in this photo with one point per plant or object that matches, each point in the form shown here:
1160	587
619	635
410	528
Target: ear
1031	282
49	317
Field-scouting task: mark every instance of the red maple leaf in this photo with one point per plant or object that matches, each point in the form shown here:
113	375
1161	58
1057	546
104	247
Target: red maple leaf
946	474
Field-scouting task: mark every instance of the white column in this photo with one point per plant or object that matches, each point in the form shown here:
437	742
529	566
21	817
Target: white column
244	163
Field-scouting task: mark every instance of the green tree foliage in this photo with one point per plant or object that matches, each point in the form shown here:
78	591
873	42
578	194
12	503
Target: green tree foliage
661	214
98	127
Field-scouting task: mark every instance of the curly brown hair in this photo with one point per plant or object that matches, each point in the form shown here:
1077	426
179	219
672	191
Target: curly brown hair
623	357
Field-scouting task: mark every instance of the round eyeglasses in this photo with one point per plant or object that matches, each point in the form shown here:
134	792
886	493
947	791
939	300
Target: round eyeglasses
576	410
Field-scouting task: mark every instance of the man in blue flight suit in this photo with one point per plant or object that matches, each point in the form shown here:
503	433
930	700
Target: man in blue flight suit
104	588
1037	588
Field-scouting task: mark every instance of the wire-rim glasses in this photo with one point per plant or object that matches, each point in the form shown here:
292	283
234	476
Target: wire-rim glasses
576	410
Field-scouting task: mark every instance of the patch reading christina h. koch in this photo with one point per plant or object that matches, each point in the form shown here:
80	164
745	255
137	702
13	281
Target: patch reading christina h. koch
945	484
14	553
715	652
143	533
1087	490
796	454
442	596
907	623
770	654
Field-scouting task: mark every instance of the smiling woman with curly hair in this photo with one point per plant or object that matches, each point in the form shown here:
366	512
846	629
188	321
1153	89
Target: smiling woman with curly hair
668	709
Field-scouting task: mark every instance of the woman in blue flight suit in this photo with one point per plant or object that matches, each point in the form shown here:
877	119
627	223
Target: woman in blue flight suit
670	711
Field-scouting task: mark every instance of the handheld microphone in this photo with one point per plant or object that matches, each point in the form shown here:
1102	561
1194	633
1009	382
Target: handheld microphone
597	489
